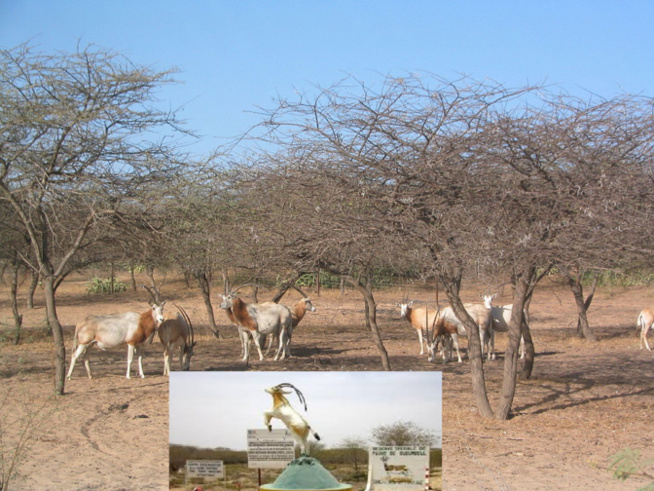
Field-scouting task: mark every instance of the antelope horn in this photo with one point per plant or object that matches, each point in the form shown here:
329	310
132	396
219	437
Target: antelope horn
304	295
188	321
234	290
154	293
297	391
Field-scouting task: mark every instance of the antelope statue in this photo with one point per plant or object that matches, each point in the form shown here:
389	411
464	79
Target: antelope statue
283	410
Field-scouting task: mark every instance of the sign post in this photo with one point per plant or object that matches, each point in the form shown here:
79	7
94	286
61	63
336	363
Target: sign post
397	468
270	449
204	469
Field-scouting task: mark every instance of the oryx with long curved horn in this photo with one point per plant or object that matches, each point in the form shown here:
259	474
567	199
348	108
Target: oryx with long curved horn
298	312
259	320
177	332
111	331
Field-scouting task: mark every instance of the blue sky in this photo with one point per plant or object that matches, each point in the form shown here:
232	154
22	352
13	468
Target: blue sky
235	56
215	409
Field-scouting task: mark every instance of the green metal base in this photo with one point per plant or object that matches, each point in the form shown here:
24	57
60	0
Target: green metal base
306	474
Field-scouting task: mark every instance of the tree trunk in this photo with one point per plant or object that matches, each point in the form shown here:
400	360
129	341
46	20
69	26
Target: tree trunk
150	272
285	287
57	333
18	319
516	325
371	322
132	277
525	328
112	278
583	328
205	288
226	283
451	281
528	362
587	303
34	282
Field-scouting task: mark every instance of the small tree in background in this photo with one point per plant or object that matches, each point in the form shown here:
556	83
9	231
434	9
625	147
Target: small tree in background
356	451
403	433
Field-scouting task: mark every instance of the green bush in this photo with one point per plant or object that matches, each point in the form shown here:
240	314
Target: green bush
619	278
381	278
327	280
628	463
106	286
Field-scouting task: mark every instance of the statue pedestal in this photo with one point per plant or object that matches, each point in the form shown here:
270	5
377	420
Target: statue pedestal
306	474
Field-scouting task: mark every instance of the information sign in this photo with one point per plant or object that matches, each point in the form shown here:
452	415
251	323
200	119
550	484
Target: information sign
270	449
397	468
207	469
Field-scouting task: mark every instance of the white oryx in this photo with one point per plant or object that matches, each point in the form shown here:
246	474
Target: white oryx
482	316
447	324
501	318
297	314
644	323
283	410
111	331
300	310
420	318
257	320
177	332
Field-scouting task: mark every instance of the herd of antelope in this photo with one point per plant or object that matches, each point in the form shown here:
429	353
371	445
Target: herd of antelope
442	326
258	322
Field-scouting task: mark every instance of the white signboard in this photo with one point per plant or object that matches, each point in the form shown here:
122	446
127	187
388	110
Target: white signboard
270	449
397	468
208	469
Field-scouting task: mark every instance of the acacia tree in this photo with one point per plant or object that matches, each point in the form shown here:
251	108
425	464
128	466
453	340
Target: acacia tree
356	451
403	433
469	176
587	164
411	152
202	231
75	151
311	218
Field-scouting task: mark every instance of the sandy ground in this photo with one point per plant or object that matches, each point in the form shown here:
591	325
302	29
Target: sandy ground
584	403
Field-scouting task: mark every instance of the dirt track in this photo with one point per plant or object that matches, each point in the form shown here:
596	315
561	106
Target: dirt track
584	403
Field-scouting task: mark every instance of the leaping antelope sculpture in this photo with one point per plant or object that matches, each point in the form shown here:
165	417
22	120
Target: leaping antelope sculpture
283	410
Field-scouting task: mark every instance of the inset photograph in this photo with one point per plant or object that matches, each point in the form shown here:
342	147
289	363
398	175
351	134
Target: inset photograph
278	431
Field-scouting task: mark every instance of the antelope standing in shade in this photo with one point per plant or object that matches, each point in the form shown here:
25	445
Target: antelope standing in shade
257	320
297	314
501	318
644	323
177	332
432	328
445	323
